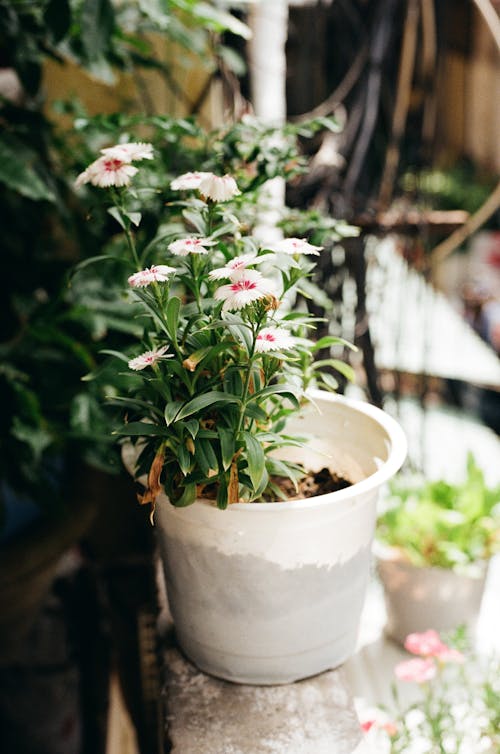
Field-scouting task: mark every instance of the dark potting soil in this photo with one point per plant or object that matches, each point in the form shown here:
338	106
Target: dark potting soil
315	483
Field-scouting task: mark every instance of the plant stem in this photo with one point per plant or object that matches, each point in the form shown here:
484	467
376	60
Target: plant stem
195	272
126	227
131	242
246	385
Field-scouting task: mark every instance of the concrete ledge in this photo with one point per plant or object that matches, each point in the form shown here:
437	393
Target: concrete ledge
209	716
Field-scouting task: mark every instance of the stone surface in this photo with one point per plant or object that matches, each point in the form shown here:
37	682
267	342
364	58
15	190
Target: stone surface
206	715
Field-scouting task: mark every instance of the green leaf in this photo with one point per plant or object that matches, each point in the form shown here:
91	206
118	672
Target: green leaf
331	340
140	429
345	369
116	214
172	316
284	390
194	218
253	411
116	354
184	458
256	458
205	400
205	456
329	381
192	426
97	24
134	217
220	20
37	438
93	260
233	60
339	366
171	411
222	493
227	446
18	170
187	498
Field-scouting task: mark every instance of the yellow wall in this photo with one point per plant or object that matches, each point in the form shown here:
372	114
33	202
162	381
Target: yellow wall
189	73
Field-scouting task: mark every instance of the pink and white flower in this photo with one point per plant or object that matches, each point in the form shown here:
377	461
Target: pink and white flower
218	189
379	721
234	266
429	644
418	670
188	181
130	152
148	358
157	273
107	171
294	246
245	288
185	246
273	339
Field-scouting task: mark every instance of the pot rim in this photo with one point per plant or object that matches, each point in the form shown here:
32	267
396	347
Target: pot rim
386	556
397	454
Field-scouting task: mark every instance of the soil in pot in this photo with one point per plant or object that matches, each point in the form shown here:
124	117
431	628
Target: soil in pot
312	484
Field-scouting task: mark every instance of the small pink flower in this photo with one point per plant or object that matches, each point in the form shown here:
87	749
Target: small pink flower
429	644
148	358
235	265
130	152
378	719
249	286
417	670
185	246
188	181
107	171
294	246
273	339
157	273
218	189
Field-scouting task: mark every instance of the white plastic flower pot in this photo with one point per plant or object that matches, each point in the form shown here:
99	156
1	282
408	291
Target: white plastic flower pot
269	593
417	599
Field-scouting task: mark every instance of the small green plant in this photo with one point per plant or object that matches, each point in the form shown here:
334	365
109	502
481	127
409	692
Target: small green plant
435	523
456	709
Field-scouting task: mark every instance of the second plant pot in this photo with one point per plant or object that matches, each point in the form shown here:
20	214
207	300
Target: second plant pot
418	599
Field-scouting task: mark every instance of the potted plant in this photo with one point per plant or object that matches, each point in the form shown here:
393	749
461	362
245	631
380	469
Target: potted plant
263	486
434	542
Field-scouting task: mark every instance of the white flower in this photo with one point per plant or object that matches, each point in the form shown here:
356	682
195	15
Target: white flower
294	246
218	189
185	246
234	266
157	273
188	181
273	339
107	171
130	152
148	358
244	288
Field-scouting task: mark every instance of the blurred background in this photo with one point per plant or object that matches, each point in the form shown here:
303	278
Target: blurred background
404	101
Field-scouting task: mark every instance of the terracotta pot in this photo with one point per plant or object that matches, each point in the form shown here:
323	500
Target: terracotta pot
417	599
272	592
